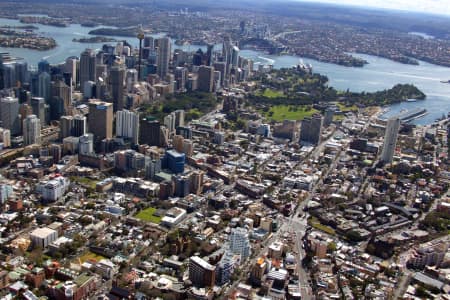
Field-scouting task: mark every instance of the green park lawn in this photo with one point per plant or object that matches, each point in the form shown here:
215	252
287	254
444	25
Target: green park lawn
268	93
345	108
279	113
148	215
89	256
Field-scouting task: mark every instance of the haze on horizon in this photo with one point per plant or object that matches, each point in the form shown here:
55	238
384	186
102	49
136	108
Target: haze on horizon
441	7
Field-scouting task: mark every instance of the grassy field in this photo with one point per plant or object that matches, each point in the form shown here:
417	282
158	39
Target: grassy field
345	109
317	225
147	215
89	256
85	181
268	93
289	112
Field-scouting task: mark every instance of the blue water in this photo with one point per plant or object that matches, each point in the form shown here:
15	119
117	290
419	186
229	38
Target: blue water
379	74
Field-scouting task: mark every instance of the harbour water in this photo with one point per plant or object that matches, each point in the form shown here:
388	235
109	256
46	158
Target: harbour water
379	74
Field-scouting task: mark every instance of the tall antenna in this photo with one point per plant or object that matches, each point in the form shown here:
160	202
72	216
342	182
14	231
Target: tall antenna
140	36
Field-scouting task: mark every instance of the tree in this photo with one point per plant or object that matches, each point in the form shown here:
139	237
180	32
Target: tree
331	247
353	236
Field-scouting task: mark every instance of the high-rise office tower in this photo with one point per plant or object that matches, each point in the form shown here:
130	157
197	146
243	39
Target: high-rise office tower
61	90
209	55
201	273
235	56
9	75
150	132
9	113
221	67
164	51
390	139
131	79
79	125
206	79
127	125
31	130
100	119
117	79
197	58
179	117
22	74
44	81
311	130
87	67
5	137
239	242
71	67
153	168
65	126
38	107
86	144
43	66
169	122
227	49
55	151
56	108
181	74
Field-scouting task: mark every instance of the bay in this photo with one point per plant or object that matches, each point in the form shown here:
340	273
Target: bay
379	74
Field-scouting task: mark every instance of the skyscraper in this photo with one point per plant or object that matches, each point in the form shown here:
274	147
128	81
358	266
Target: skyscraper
44	86
150	132
117	79
179	117
390	139
43	66
9	114
87	67
131	79
31	130
206	79
164	52
180	77
61	90
65	126
71	68
9	75
100	119
22	74
201	273
38	107
311	130
79	125
127	125
235	56
86	144
169	122
239	242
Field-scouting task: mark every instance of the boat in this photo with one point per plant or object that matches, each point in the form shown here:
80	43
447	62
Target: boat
411	100
445	81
